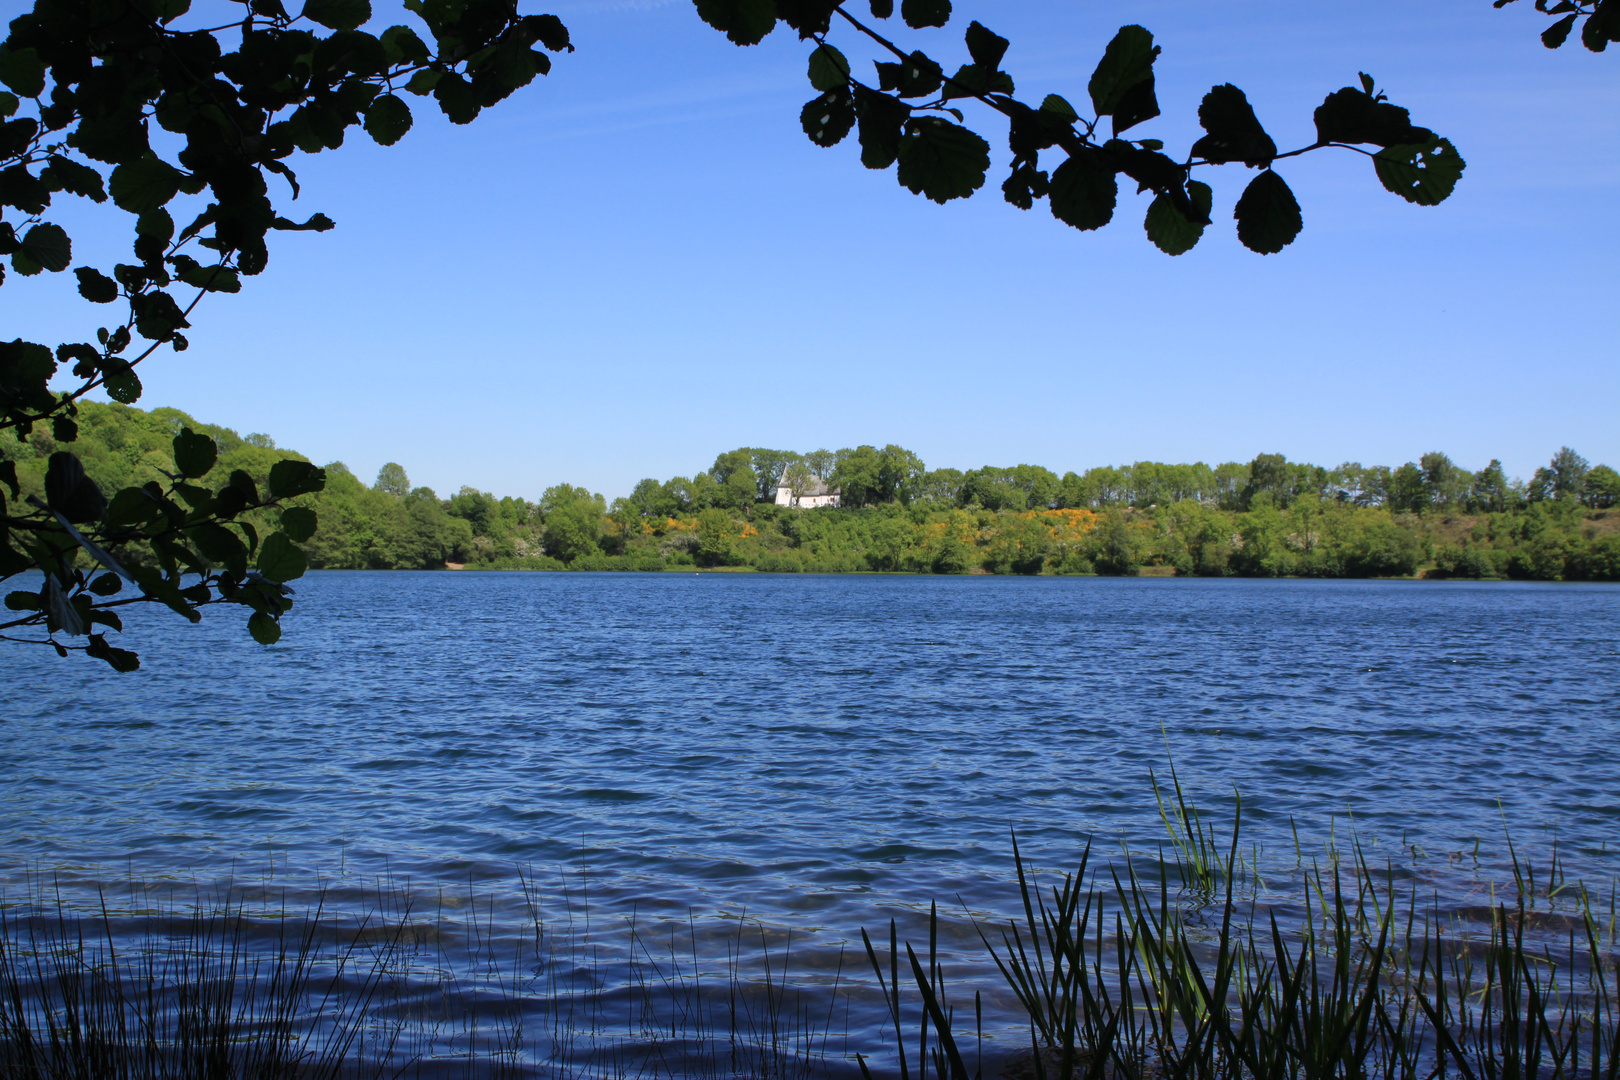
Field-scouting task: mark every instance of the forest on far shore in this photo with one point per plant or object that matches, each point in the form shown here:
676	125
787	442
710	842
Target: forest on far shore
1269	517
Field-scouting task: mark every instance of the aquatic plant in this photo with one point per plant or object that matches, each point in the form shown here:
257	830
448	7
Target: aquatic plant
1181	966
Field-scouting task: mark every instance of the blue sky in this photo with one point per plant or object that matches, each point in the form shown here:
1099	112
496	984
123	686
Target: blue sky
640	261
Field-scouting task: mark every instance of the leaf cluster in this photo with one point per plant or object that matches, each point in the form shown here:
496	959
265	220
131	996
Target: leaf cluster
151	537
1602	23
184	128
906	114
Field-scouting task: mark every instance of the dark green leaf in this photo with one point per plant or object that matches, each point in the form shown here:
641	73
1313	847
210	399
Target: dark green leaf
71	493
220	279
298	522
70	176
338	14
290	477
388	119
200	499
145	184
86	357
23	601
969	81
107	618
400	44
22	70
918	76
882	9
1235	133
1602	26
242	482
829	117
24	190
1353	116
157	224
132	506
123	387
316	223
15	135
1139	103
880	118
829	70
1425	175
120	660
1267	214
280	559
1151	170
1024	186
1084	190
808	17
64	429
194	454
1170	230
219	546
1060	107
921	13
107	585
49	246
985	46
515	65
1117	86
1556	34
422	83
456	100
744	22
942	160
265	630
549	31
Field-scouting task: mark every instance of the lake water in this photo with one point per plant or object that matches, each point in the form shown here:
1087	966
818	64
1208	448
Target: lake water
820	751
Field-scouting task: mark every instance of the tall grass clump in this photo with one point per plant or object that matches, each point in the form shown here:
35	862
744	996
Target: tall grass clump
221	988
216	993
1353	979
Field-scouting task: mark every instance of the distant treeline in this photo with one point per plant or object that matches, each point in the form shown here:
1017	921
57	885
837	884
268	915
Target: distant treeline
1268	517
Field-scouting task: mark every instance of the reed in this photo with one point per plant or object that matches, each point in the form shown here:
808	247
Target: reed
1180	968
1365	981
224	988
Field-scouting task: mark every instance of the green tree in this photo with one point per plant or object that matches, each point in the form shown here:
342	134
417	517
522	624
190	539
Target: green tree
735	480
769	465
573	529
1119	547
942	487
1407	489
718	533
1601	488
391	480
1270	474
479	509
821	463
1488	491
1445	484
1569	471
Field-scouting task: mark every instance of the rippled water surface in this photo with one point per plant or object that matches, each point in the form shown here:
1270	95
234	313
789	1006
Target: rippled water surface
815	748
